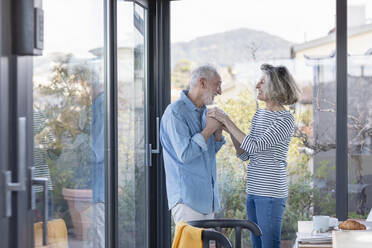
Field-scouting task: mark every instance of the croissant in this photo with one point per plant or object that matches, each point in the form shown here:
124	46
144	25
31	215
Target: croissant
351	225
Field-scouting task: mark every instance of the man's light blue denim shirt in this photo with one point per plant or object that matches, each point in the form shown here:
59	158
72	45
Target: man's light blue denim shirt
190	162
98	146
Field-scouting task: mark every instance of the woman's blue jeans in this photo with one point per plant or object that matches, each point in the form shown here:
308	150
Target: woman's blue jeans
267	213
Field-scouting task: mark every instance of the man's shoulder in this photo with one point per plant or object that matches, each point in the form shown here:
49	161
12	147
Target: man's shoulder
177	109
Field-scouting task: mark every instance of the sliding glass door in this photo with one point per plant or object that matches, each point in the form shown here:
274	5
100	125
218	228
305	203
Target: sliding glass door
132	113
57	124
69	109
70	123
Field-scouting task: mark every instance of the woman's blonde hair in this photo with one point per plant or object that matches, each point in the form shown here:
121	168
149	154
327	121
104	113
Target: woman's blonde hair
280	85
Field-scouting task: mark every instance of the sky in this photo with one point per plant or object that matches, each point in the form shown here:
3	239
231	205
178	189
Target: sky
294	20
77	25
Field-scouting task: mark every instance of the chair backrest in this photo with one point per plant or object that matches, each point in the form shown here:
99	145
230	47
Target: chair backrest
208	235
238	225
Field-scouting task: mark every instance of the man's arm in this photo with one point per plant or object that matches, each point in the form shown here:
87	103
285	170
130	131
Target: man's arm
175	133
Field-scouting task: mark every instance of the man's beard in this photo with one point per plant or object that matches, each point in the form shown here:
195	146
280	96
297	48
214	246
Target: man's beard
208	99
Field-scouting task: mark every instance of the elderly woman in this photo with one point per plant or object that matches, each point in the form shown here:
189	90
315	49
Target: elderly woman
266	147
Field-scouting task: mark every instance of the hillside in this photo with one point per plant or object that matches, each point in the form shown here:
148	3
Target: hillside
240	45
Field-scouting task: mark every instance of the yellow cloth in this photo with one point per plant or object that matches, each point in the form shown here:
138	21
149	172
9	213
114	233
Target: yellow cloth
187	236
57	234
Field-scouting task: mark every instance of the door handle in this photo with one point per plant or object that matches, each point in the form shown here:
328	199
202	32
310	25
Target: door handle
43	182
149	150
149	156
21	169
157	150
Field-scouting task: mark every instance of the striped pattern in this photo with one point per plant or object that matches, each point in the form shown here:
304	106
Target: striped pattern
266	147
40	152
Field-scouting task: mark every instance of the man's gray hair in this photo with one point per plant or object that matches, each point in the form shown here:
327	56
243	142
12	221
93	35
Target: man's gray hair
204	71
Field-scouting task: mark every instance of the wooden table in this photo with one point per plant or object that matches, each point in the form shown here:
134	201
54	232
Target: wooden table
340	239
315	246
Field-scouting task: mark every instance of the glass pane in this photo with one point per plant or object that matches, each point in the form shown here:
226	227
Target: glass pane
359	108
239	36
69	114
132	80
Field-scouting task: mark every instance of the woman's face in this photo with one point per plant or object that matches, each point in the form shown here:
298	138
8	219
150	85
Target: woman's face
261	88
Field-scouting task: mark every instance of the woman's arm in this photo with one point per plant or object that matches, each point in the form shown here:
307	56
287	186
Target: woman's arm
281	129
236	134
236	143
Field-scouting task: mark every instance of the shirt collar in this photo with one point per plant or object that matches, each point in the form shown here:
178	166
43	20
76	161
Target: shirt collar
189	103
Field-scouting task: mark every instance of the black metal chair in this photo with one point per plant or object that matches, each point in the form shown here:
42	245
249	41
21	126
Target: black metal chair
219	238
218	224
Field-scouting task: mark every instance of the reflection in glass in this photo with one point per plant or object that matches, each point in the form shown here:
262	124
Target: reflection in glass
359	99
132	188
69	121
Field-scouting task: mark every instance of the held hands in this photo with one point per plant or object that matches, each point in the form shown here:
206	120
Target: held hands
211	127
219	115
213	124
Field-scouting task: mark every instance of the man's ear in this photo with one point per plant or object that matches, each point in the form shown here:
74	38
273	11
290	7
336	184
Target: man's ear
203	82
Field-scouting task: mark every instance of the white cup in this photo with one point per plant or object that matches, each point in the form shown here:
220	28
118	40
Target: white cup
333	222
320	223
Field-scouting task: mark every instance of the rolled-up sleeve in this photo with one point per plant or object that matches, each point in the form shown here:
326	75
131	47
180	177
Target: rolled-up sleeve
280	130
243	156
199	139
186	146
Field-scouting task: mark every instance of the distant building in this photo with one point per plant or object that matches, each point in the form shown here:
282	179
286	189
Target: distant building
319	57
359	39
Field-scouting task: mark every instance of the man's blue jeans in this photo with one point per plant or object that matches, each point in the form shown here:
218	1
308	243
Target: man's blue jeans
267	213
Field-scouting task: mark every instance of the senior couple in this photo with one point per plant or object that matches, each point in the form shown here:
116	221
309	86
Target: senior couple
191	135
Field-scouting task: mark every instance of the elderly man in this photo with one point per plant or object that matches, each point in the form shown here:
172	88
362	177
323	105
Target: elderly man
190	142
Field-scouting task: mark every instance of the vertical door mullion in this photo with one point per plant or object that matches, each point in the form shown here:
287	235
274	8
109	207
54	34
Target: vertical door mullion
23	100
15	101
159	95
111	144
4	120
341	114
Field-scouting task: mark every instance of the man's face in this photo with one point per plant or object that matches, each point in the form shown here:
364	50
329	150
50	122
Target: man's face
213	88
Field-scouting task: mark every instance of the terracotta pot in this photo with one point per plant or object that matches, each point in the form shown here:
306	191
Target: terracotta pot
286	243
80	205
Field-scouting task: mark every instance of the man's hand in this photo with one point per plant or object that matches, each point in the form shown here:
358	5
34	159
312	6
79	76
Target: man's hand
211	126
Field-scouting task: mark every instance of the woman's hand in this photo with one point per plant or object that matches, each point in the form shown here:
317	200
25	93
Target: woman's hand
224	128
227	124
219	115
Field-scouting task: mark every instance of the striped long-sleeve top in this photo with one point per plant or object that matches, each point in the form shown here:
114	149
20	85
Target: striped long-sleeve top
266	147
40	152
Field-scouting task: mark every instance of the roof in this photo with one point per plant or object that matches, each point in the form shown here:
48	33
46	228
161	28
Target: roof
330	38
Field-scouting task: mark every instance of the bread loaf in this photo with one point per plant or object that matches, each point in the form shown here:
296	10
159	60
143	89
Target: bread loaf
351	225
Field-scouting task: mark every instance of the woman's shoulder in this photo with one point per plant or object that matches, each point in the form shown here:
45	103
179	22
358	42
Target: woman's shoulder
274	113
281	115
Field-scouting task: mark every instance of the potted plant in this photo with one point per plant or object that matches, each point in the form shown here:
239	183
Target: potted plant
66	101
